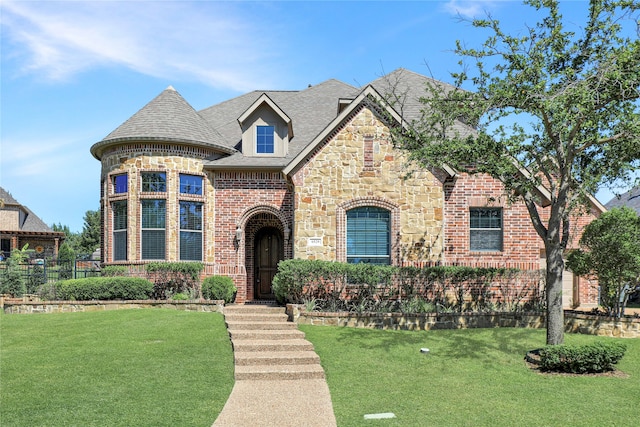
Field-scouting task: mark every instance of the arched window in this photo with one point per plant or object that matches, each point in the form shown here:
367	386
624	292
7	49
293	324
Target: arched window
368	235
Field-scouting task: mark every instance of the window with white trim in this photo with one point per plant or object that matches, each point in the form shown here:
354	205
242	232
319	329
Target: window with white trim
485	229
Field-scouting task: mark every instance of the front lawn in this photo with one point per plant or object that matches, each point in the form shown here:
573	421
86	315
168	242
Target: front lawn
473	377
115	368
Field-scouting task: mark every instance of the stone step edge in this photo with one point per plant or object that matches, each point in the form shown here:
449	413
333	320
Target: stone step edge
250	326
271	345
279	372
266	334
252	358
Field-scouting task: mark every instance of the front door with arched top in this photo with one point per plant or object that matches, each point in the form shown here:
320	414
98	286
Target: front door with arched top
269	250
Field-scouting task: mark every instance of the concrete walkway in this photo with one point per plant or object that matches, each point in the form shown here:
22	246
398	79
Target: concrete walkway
278	377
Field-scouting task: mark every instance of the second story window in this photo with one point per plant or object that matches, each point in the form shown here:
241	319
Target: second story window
264	139
120	183
190	184
154	182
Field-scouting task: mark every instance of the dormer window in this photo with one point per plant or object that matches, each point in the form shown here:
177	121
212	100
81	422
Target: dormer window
266	129
265	139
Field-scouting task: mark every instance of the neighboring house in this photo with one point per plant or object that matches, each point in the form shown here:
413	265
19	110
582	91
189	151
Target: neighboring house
630	199
309	174
19	226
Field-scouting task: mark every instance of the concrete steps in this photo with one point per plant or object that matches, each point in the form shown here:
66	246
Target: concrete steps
267	346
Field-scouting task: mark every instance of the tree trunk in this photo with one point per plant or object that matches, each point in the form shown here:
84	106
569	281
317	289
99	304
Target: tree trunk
555	312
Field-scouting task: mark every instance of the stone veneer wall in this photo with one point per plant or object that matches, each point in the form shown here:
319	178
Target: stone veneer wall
30	307
134	159
574	322
358	166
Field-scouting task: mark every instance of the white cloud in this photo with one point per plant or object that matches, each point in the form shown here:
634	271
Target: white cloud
205	41
469	9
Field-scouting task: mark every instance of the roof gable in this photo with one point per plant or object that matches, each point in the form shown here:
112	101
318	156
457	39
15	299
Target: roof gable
28	221
264	99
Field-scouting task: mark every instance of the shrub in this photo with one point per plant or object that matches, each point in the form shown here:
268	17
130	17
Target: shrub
381	288
114	270
590	358
104	288
66	259
170	278
36	278
11	280
218	288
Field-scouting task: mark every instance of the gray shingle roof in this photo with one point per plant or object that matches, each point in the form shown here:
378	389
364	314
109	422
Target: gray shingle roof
168	117
630	199
7	197
31	223
310	110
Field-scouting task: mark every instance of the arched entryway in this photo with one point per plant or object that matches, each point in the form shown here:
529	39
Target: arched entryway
268	252
264	241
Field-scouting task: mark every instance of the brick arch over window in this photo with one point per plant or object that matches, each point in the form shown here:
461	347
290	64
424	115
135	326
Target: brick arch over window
341	224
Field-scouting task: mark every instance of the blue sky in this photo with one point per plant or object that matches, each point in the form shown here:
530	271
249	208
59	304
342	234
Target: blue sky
73	71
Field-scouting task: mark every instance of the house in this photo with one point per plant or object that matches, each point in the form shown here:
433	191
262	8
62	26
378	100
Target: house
312	174
630	199
19	227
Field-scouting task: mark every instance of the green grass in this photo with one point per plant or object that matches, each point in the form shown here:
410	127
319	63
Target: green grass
474	377
116	368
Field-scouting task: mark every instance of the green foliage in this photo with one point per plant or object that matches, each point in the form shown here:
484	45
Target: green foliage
104	289
612	253
89	239
218	288
591	358
66	260
170	278
37	278
12	281
554	106
335	286
180	297
114	270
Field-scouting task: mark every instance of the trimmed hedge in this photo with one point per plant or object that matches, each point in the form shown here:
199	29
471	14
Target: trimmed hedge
104	289
170	278
218	288
114	270
591	358
337	286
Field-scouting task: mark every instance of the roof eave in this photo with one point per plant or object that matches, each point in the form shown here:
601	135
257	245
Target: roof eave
98	148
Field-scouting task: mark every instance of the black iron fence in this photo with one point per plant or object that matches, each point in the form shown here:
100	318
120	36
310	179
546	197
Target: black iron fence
41	271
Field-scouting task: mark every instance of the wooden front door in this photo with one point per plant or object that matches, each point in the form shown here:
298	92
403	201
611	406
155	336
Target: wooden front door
268	252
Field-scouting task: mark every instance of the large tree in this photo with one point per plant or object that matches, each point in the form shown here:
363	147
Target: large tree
611	252
552	109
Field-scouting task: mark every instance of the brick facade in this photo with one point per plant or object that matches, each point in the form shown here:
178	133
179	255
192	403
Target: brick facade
335	155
